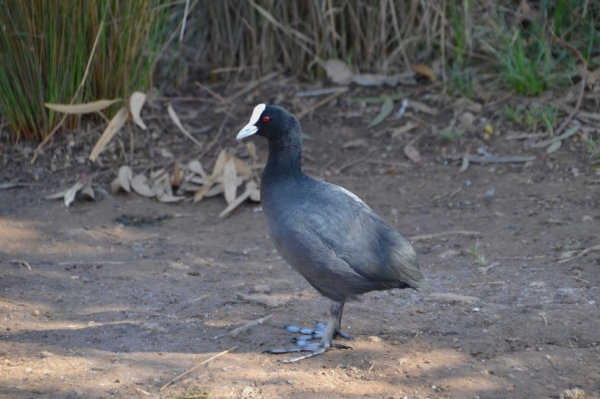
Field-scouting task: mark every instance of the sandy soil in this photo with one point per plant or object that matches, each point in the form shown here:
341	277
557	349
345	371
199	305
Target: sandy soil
109	311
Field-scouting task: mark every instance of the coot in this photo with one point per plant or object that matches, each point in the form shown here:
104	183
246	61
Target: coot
326	233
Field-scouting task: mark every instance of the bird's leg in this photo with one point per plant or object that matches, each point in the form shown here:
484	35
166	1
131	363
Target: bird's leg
338	330
313	348
319	330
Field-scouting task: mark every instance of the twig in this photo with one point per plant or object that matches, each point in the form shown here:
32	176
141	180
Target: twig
85	75
245	327
582	90
254	85
196	366
457	232
580	279
212	93
142	391
302	114
21	262
487	283
594	248
347	165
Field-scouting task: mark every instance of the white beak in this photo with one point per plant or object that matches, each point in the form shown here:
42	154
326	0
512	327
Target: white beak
248	130
251	128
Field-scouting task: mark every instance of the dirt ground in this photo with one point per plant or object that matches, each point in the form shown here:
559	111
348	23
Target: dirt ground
111	311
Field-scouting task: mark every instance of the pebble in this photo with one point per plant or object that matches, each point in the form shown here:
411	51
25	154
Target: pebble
35	312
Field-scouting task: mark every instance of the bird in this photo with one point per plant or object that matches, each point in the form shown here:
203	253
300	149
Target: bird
325	232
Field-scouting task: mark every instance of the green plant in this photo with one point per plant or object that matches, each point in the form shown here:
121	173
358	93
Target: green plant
451	134
593	148
481	260
528	68
45	47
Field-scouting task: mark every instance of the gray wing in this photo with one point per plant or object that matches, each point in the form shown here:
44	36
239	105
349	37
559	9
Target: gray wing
356	235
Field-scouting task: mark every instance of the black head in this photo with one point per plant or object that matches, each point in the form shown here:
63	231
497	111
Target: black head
270	121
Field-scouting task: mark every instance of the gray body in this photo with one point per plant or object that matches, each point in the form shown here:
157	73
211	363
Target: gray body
333	239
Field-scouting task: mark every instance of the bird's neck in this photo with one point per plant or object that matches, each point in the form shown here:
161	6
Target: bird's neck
284	161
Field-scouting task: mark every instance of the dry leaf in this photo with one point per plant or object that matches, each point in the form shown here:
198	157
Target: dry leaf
554	147
424	70
136	102
368	79
412	153
196	167
71	192
421	107
86	108
138	183
215	190
404	129
242	167
217	172
338	72
169	198
123	179
354	144
255	194
113	127
386	108
230	180
176	179
177	123
251	150
88	190
251	187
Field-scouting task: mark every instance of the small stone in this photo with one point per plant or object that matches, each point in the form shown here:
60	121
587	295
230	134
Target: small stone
375	339
261	289
587	218
537	284
292	382
403	360
35	313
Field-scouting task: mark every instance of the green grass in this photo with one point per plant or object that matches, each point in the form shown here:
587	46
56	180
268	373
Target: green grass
534	117
45	47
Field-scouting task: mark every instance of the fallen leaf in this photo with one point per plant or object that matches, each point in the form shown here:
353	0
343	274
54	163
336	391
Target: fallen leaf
465	164
177	123
386	108
412	153
251	188
488	129
196	167
123	180
136	102
368	79
251	149
242	167
230	180
404	129
176	178
217	172
88	190
338	72
553	147
86	108
354	144
139	185
71	192
169	198
113	127
421	107
424	70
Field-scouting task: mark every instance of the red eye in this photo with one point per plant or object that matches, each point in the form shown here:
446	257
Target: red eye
266	118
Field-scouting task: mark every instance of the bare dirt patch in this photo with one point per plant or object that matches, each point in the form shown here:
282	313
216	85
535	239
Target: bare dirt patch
115	311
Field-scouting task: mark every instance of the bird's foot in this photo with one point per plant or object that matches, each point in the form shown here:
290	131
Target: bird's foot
315	333
313	349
